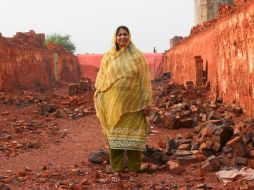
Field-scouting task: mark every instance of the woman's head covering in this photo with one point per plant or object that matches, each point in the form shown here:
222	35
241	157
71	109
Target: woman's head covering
116	33
114	52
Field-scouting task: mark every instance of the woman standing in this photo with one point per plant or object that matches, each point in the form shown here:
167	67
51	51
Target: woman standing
123	91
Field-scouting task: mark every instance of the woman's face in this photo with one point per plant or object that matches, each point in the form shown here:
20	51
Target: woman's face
122	38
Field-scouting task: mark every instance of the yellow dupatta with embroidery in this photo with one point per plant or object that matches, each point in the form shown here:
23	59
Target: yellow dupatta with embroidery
123	90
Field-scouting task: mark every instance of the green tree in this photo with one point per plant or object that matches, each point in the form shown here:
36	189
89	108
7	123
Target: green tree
64	40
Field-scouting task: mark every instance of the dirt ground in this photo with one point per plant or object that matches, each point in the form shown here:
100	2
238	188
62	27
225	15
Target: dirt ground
42	152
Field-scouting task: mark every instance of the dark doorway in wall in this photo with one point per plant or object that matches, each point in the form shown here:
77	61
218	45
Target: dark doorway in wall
201	74
199	70
205	74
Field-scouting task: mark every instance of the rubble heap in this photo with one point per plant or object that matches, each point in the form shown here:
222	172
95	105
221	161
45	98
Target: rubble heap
221	136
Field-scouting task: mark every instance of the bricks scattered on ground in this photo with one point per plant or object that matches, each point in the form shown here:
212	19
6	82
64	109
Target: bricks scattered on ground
219	136
220	139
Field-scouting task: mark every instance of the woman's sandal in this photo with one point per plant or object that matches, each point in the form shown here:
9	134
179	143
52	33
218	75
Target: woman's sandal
116	177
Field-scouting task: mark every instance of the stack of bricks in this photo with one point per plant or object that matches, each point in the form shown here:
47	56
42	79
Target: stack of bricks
30	38
175	41
72	89
84	84
189	85
199	71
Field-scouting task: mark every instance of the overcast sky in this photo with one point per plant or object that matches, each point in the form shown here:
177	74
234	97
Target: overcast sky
91	23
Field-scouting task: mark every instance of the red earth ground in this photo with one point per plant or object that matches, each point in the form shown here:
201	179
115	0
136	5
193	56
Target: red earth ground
55	155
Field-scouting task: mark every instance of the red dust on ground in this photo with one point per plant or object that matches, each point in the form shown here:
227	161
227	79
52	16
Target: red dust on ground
51	151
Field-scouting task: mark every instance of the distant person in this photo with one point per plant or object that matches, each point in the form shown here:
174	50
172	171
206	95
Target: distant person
154	50
123	93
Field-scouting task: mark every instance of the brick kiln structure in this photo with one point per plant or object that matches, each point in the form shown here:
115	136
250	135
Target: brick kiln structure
26	63
208	9
219	53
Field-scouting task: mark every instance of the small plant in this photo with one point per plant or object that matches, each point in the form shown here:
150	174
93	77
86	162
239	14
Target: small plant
64	40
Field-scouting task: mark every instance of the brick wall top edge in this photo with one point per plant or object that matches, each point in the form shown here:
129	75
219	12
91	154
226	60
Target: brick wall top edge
29	41
211	24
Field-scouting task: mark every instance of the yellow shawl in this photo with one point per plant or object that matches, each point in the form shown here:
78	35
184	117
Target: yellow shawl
122	85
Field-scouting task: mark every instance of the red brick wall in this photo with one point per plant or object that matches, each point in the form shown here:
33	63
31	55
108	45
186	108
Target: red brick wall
227	47
24	69
25	63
